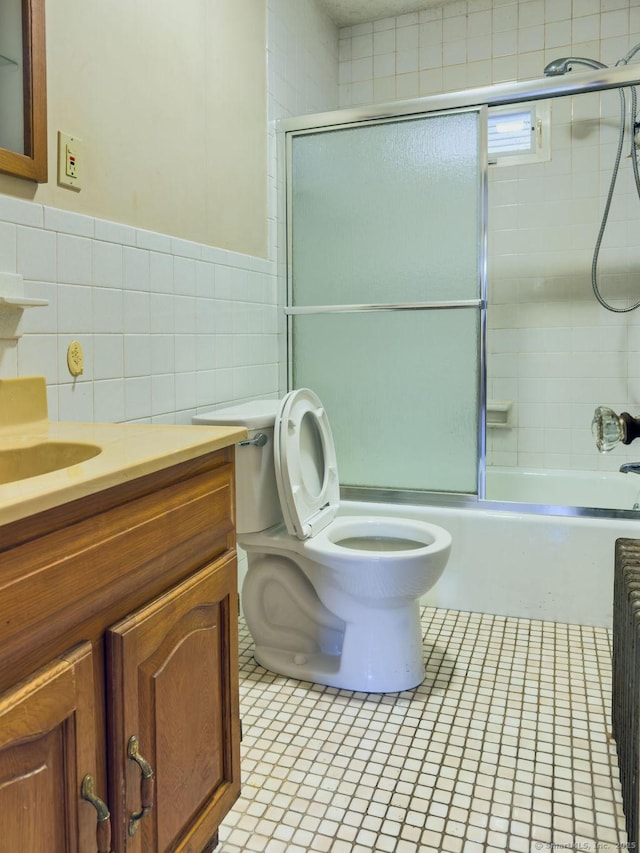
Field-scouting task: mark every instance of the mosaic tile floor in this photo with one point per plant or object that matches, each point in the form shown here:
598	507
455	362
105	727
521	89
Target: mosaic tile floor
504	747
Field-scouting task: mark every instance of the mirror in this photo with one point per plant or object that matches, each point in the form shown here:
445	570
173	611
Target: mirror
23	99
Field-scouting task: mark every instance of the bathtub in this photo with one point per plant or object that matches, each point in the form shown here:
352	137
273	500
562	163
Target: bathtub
516	563
602	489
549	565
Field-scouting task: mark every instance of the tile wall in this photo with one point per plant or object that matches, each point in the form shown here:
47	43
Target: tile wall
169	327
552	350
302	56
476	42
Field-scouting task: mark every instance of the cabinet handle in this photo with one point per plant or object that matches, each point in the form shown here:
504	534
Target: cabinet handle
103	829
147	785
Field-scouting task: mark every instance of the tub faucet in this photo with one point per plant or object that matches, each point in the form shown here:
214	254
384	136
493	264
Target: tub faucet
630	468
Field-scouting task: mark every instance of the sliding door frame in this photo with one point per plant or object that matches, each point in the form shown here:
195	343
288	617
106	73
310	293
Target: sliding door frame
499	94
480	303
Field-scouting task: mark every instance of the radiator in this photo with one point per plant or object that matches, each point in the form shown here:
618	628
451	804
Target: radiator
625	709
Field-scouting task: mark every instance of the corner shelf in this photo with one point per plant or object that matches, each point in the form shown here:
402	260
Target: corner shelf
21	302
12	304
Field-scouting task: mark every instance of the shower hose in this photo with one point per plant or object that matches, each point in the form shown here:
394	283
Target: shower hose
634	129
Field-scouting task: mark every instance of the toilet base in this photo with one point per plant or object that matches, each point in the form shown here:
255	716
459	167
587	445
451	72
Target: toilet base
382	654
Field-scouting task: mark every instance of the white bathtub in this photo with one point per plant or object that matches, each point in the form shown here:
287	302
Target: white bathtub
605	490
557	568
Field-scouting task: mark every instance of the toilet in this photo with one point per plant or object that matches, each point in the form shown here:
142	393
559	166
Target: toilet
328	597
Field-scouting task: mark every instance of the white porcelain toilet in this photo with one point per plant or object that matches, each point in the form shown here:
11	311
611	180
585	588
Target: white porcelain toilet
328	598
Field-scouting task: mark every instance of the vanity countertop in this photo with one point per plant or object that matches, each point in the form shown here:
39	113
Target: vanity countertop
126	452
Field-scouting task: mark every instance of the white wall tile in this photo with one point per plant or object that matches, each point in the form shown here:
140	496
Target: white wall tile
36	253
136	315
384	65
108	356
74	259
66	222
384	41
362	46
163	349
38	356
108	401
163	394
137	397
205	279
108	310
137	355
115	232
362	70
21	212
135	269
184	276
8	247
160	273
184	314
186	248
186	391
185	352
107	264
152	241
75	310
75	402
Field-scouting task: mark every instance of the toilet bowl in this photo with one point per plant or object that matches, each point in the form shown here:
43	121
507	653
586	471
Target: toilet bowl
327	598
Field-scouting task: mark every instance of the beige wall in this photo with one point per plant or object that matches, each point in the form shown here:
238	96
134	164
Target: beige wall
169	99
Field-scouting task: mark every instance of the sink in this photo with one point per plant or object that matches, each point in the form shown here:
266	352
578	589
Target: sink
25	448
19	463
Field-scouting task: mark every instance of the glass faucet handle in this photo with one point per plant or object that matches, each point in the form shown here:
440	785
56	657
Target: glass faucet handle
607	428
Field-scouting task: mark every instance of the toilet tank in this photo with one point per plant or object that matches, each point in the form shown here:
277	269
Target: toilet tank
257	502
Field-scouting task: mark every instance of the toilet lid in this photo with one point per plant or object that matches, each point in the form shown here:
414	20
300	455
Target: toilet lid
305	463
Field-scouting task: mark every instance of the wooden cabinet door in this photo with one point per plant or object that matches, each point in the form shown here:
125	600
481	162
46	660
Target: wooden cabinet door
173	674
47	745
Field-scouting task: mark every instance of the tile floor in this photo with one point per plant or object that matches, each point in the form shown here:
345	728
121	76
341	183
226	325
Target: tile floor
504	747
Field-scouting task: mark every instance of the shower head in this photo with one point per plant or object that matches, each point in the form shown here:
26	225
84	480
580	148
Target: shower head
560	66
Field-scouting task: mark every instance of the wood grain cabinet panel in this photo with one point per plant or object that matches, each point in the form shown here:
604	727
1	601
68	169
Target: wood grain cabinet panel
139	582
47	745
174	677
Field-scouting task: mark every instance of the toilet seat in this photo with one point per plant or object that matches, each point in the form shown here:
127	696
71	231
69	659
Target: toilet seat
305	464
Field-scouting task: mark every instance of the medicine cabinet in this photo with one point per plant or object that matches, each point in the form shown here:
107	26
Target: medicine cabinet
23	99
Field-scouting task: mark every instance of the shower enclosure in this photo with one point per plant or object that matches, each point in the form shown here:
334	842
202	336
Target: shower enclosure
387	295
407	324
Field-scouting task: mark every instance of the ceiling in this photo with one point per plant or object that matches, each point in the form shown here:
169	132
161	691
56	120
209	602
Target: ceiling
347	12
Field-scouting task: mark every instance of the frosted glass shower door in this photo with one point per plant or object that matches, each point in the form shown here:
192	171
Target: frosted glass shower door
385	302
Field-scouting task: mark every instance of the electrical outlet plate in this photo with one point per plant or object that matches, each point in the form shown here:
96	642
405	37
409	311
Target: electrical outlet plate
69	161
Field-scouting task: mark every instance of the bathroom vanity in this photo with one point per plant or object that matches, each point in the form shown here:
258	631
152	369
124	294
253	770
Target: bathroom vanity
119	713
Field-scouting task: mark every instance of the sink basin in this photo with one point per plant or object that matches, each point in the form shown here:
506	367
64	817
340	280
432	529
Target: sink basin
18	463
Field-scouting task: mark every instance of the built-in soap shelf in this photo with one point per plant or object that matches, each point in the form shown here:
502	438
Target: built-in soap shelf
499	414
22	302
13	301
12	292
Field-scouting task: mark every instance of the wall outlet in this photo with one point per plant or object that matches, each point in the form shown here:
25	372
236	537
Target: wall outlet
70	157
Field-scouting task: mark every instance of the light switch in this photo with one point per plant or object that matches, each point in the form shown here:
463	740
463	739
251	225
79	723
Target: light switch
69	161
